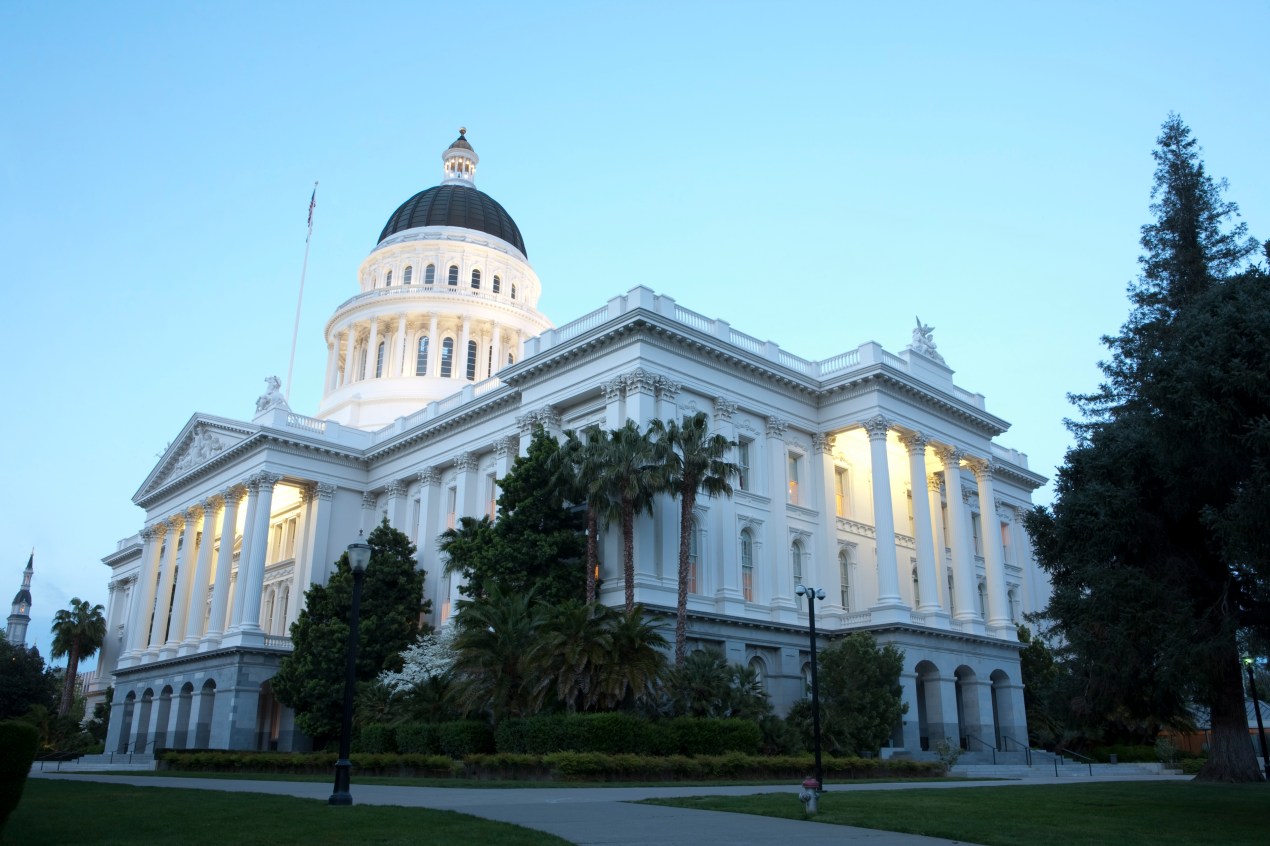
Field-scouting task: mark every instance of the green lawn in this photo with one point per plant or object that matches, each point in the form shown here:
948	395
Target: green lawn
55	813
1124	814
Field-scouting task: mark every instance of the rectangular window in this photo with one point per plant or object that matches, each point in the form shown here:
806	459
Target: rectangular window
943	510
1005	541
795	462
491	496
841	489
743	464
976	534
379	360
693	560
747	566
452	499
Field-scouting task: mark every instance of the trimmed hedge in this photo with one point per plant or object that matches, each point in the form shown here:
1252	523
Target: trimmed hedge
563	766
627	734
18	744
461	738
376	738
419	738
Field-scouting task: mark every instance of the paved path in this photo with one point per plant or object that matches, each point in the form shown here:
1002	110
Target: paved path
606	816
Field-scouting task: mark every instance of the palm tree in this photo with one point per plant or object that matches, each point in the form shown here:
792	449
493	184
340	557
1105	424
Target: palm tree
573	650
690	461
579	467
78	632
628	484
494	649
637	664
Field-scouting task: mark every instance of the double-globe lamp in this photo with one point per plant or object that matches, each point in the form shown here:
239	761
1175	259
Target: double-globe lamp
358	561
812	595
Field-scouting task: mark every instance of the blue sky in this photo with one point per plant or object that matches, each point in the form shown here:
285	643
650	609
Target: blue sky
814	173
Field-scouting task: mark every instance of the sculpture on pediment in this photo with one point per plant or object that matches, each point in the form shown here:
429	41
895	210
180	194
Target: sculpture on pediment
924	341
203	446
272	397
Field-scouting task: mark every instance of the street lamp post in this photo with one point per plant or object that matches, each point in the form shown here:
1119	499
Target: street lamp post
358	560
812	595
1256	709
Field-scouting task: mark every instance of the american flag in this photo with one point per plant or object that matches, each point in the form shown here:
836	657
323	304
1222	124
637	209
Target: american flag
312	206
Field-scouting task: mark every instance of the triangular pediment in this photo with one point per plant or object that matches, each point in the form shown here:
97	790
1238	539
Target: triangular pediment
201	442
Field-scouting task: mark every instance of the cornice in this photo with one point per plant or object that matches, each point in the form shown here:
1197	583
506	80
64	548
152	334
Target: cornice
476	410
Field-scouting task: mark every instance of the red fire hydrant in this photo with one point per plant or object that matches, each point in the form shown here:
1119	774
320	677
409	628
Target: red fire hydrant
809	794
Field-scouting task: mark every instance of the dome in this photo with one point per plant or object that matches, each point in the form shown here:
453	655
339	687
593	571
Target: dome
455	205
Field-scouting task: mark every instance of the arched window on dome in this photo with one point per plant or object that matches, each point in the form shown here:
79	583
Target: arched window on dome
421	357
430	274
361	363
407	275
453	277
489	361
447	358
476	280
511	358
513	290
388	280
471	361
379	360
498	284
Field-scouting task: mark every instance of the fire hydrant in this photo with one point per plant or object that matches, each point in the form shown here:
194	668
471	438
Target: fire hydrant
810	794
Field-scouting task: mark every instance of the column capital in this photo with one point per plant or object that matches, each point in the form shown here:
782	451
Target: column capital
232	494
822	443
614	388
465	462
369	498
149	533
504	447
934	483
429	477
877	427
982	468
724	408
776	427
666	388
194	513
396	489
263	479
176	522
640	381
951	456
914	442
212	504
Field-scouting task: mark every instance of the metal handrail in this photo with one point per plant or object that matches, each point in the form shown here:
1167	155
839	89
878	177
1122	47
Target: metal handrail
1064	751
980	741
1027	750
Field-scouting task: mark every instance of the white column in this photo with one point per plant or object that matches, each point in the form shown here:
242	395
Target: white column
824	567
465	482
459	371
224	563
244	554
667	391
496	341
993	555
434	347
255	579
372	348
370	517
199	584
346	371
318	532
723	522
641	402
964	582
927	569
614	403
883	514
780	590
332	353
394	366
396	505
138	629
935	507
425	541
163	594
184	577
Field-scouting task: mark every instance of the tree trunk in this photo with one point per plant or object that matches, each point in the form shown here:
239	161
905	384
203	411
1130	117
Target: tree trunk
592	547
68	686
686	502
1230	753
628	553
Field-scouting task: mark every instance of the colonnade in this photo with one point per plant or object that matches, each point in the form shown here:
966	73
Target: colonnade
358	342
190	553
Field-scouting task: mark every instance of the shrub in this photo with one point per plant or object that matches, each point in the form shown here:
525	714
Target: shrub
540	735
713	736
1140	754
376	737
418	738
611	734
460	738
18	744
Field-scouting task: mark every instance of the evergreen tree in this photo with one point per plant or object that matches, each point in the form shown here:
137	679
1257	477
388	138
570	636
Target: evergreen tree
311	678
1155	545
860	696
24	680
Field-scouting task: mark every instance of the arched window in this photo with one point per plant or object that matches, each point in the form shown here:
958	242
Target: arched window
694	558
453	277
476	279
421	357
430	274
471	361
747	565
388	280
513	290
379	360
844	576
498	284
511	359
760	672
447	358
796	566
407	275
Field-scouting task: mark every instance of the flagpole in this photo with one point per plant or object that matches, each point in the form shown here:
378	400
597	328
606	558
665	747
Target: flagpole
304	269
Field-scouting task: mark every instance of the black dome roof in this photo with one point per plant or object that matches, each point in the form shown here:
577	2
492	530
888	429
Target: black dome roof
455	205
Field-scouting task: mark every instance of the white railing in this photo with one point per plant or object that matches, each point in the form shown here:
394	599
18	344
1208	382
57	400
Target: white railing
856	528
585	323
747	342
430	291
307	424
841	361
277	642
691	318
855	618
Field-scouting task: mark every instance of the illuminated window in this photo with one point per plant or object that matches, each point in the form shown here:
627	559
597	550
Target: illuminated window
447	358
421	358
795	470
694	558
407	275
430	274
471	361
747	565
498	284
476	279
952	596
453	279
841	489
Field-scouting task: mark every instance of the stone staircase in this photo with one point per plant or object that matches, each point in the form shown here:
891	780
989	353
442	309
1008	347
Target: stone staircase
120	762
1036	764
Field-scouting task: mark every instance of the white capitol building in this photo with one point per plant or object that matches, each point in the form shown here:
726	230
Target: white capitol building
870	474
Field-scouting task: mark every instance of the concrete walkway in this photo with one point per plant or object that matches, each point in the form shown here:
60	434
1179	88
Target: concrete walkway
605	816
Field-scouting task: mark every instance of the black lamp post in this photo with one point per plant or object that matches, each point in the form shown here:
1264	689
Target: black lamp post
812	595
358	559
1256	709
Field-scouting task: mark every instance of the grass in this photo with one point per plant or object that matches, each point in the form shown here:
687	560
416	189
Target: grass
1126	814
54	813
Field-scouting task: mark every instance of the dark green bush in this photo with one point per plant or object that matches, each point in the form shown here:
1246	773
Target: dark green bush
418	738
538	735
612	734
376	738
18	744
461	738
1143	754
715	736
